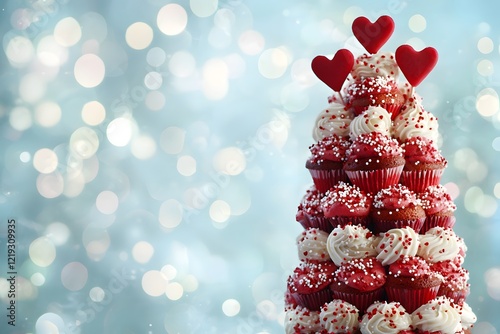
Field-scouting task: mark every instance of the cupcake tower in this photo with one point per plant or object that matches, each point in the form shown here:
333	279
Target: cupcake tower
378	253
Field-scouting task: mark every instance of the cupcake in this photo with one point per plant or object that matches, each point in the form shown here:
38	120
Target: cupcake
309	284
300	320
424	164
327	161
374	161
374	84
396	207
334	120
346	204
411	282
439	244
397	244
455	285
373	119
359	282
311	245
310	214
387	318
339	317
351	242
414	121
437	316
439	208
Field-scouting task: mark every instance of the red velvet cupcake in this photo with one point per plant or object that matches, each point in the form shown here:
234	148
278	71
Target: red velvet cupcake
411	282
309	284
374	84
310	214
346	204
424	164
327	161
439	208
374	161
455	285
359	282
396	207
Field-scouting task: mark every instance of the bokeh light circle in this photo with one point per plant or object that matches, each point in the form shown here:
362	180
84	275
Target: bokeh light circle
154	283
139	35
89	70
93	113
74	276
273	63
172	19
42	252
45	160
67	32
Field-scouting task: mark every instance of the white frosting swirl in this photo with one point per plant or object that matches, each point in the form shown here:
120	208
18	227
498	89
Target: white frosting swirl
351	242
397	243
333	120
375	118
413	122
385	318
304	320
437	315
439	244
311	245
467	316
339	316
376	65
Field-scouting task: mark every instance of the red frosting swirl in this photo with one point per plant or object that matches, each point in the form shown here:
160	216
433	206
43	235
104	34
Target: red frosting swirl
422	150
366	274
436	199
395	197
309	277
373	145
346	200
410	266
332	148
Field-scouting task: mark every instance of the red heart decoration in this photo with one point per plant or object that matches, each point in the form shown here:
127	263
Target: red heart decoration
416	65
333	72
373	35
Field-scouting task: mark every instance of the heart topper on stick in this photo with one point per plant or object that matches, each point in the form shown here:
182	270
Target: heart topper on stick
333	72
416	65
373	35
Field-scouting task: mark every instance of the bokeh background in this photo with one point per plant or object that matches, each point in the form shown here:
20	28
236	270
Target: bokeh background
152	153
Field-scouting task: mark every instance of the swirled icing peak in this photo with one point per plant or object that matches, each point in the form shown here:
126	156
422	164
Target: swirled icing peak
438	315
385	318
414	121
382	64
339	317
301	320
396	244
334	119
372	119
350	242
439	244
311	245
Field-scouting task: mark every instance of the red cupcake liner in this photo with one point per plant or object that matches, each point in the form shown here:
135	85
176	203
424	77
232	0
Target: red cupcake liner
411	299
313	301
392	109
441	221
324	179
309	221
381	226
343	221
419	180
362	300
373	181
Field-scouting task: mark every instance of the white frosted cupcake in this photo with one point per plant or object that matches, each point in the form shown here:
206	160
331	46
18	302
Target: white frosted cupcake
351	242
339	317
439	316
385	318
301	320
311	245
